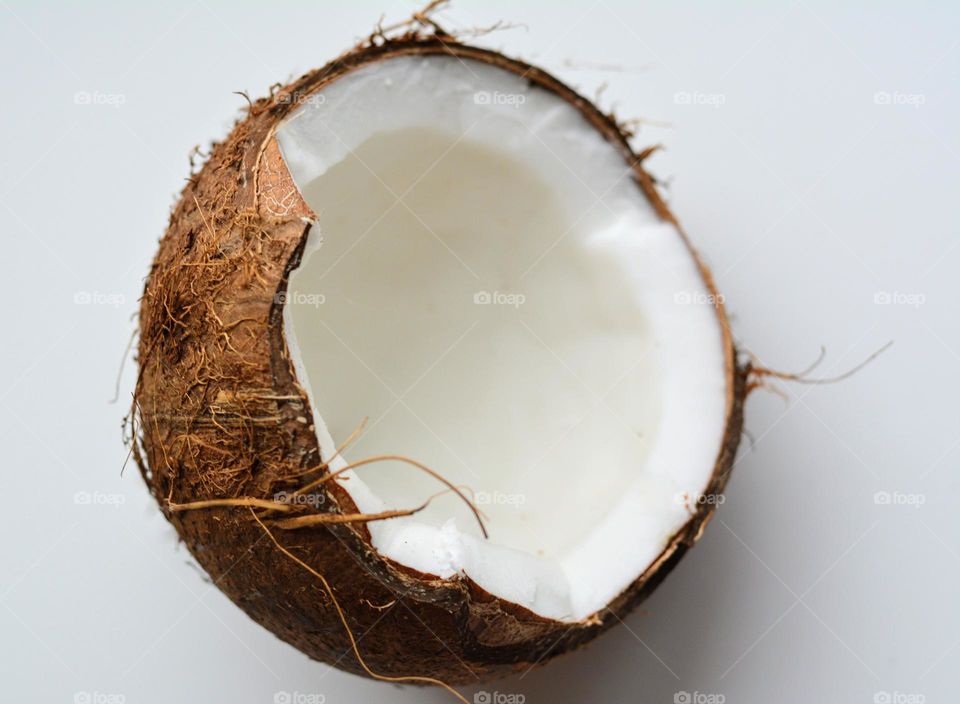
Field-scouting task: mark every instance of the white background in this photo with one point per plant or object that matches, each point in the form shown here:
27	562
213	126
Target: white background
811	200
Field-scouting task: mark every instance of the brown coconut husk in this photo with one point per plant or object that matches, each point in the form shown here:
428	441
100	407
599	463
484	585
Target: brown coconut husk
220	417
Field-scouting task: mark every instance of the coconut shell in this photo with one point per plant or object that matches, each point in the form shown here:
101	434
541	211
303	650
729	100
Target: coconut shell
219	414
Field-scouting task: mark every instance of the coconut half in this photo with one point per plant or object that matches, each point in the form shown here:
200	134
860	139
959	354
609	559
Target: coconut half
460	248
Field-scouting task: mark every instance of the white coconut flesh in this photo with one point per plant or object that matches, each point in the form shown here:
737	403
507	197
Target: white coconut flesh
489	285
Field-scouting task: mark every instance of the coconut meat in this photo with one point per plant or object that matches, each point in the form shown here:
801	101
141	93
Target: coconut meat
490	287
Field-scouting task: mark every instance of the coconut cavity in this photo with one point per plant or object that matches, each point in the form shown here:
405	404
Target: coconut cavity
490	287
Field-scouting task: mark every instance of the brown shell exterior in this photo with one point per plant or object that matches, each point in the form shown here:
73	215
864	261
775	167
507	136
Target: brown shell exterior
219	413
